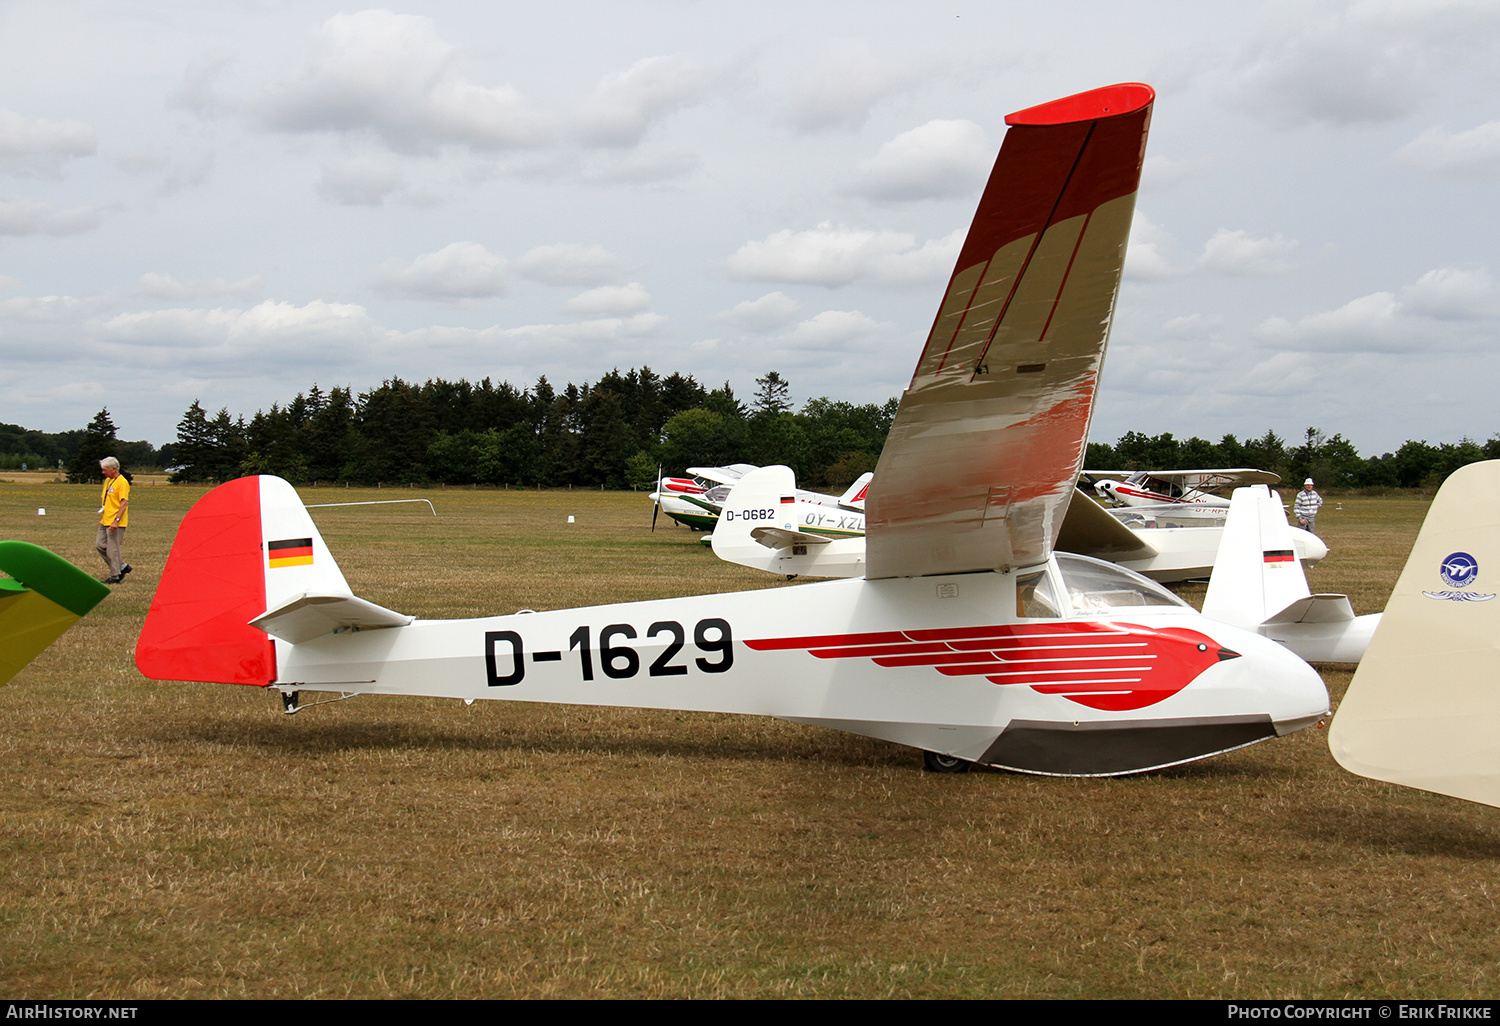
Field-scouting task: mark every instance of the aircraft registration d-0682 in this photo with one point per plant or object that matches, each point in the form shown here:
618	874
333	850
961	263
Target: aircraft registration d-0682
967	637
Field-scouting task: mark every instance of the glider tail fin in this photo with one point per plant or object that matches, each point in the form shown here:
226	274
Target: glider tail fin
854	496
42	596
762	526
1258	584
245	550
754	504
1423	709
1256	572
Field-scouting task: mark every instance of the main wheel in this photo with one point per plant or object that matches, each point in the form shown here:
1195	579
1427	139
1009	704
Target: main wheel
936	762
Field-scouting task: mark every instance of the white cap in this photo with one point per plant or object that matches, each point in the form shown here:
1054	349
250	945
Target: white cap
1308	481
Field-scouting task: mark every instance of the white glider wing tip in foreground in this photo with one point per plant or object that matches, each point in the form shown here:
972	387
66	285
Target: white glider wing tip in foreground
1423	708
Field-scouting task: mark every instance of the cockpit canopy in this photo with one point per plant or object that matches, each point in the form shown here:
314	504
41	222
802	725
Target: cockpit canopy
1084	586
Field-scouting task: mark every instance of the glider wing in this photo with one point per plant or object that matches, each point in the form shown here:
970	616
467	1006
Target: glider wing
988	441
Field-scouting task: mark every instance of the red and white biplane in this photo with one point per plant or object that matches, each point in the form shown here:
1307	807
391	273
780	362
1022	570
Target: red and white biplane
967	637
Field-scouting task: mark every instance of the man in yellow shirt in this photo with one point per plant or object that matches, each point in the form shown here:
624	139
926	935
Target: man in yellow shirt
114	517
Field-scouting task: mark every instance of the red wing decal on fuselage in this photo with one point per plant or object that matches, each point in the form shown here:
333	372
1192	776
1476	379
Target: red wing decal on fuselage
1109	666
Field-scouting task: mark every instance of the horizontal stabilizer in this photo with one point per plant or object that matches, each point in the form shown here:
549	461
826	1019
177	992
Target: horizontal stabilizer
1316	609
776	538
305	617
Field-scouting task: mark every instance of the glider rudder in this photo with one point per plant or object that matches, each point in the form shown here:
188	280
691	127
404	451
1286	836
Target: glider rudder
1423	709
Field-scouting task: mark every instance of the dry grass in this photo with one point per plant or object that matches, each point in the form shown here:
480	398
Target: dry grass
177	840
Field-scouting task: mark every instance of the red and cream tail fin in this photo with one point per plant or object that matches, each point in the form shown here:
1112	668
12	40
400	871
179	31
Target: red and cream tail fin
248	563
854	496
1424	707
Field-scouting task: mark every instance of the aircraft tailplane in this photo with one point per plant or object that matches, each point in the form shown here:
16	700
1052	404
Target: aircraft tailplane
1258	584
247	564
759	527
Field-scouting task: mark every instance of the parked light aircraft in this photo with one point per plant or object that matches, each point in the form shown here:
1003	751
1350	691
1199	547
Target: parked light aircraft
967	637
1170	487
1177	543
701	511
1258	584
682	498
40	598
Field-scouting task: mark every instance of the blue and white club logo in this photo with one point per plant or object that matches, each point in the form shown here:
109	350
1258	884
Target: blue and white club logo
1458	571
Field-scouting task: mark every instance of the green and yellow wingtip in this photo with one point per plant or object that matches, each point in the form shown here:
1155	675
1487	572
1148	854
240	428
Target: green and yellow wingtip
41	598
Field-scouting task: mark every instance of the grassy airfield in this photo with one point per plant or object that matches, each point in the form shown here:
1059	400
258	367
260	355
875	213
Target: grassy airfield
188	840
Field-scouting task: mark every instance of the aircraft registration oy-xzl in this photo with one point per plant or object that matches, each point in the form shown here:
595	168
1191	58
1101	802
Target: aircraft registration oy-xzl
967	637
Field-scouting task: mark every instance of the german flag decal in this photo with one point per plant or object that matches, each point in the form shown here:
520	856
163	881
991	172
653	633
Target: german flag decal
289	552
1279	555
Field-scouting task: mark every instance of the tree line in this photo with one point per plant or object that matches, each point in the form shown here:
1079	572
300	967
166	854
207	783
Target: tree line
1332	461
616	431
613	432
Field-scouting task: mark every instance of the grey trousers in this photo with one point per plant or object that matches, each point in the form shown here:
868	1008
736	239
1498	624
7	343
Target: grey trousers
108	543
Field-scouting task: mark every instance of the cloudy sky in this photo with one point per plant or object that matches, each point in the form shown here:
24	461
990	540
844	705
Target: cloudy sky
232	201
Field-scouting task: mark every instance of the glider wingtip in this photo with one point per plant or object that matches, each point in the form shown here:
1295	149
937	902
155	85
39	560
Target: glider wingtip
1104	102
52	576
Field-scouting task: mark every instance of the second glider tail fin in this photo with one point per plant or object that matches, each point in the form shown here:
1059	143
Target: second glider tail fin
761	526
1258	584
1424	707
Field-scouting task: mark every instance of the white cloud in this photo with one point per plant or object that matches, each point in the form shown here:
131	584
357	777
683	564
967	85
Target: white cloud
1161	173
460	270
938	159
1242	255
838	88
1144	256
164	286
233	340
393	76
1235	253
1449	294
359	181
571	263
1367	62
40	148
1445	309
624	105
771	311
31	217
835	255
636	168
836	330
610	300
1471	154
